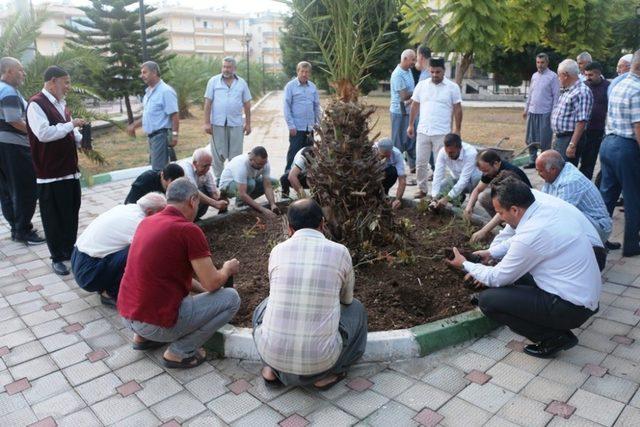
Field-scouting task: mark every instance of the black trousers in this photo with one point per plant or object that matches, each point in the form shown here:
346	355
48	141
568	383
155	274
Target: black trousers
531	312
588	149
286	184
296	143
59	206
390	178
18	192
202	207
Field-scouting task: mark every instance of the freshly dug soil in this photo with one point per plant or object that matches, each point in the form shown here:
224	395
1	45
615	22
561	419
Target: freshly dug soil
411	288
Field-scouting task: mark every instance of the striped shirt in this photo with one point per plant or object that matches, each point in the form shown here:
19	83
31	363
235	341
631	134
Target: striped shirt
574	105
309	276
624	107
573	187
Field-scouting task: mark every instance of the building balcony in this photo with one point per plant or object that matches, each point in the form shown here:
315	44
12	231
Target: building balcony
209	31
209	48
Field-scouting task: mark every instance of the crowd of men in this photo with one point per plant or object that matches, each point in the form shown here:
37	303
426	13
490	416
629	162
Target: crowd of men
148	258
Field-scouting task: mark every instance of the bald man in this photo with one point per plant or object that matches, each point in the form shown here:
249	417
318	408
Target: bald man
198	171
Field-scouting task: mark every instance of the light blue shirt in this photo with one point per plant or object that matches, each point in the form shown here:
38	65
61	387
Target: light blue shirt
301	105
424	74
615	81
400	80
227	101
159	103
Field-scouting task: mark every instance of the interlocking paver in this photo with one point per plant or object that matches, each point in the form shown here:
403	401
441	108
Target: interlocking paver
239	386
630	417
560	409
490	347
330	416
489	397
477	377
117	408
457	412
390	384
469	361
85	371
84	418
231	407
596	341
300	401
181	407
525	411
565	373
498	421
157	389
58	341
17	386
595	408
265	394
71	355
16	338
45	387
99	388
263	416
509	377
144	418
428	418
34	368
45	422
19	417
59	405
621	339
594	370
359	384
580	356
294	420
208	387
423	395
609	327
23	353
139	371
447	378
361	404
619	389
622	367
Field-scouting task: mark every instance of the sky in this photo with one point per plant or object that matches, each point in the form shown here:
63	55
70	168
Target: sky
239	6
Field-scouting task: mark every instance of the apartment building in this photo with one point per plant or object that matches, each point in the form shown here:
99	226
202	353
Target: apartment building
265	42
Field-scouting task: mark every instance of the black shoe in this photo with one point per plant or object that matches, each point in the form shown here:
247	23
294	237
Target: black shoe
620	202
473	299
30	239
413	170
60	269
549	348
612	246
631	252
529	166
108	301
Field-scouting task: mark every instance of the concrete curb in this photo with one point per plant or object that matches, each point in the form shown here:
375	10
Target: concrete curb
130	173
382	346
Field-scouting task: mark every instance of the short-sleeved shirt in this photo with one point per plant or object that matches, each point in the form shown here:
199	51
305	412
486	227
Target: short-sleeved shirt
159	103
239	170
13	107
400	80
506	166
436	105
146	182
624	107
205	183
227	102
158	273
396	160
574	105
111	231
299	161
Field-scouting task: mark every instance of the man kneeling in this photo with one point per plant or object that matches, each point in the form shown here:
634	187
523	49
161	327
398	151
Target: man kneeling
562	288
100	254
302	332
154	298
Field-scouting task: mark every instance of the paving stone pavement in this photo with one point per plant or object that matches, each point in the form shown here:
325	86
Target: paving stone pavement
66	360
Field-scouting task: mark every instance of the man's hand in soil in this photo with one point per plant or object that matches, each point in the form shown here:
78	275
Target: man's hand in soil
268	213
486	257
221	205
276	210
474	283
231	267
478	236
397	204
457	260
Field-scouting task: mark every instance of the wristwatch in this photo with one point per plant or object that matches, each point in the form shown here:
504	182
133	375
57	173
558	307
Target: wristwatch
174	133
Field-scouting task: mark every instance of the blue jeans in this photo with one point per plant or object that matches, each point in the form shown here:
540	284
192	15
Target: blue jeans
619	160
399	125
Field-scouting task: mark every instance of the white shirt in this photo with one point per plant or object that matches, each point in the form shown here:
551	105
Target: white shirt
500	244
299	161
39	125
110	231
549	244
436	105
206	181
239	170
463	169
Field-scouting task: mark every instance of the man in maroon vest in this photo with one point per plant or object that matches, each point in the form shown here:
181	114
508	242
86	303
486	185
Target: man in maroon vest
54	139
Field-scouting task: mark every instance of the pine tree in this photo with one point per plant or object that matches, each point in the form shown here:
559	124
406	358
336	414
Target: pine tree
112	30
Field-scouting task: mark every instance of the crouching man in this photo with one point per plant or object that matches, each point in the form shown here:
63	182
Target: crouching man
310	330
198	171
562	288
394	169
154	301
296	177
100	254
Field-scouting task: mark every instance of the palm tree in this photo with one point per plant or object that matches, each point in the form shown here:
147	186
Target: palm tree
346	174
188	76
19	32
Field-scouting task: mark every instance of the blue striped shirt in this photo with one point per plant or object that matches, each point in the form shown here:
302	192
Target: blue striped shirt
624	107
574	105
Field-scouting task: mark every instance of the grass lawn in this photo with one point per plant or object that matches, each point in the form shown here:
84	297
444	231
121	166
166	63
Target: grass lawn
484	126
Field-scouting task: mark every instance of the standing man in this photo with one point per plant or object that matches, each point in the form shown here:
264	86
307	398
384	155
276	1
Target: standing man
402	85
583	59
226	96
543	95
572	111
18	191
54	138
623	67
438	99
620	155
422	63
301	111
160	119
589	146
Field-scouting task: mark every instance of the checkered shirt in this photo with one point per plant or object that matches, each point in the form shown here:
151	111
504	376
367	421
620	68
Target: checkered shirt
573	187
624	107
309	276
573	106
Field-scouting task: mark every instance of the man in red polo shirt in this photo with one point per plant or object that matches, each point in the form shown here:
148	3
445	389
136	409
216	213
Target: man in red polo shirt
154	295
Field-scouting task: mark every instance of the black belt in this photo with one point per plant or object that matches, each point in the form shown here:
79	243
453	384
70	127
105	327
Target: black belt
563	134
157	132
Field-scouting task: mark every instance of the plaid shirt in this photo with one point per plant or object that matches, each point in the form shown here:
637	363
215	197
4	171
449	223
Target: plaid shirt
309	276
573	106
573	187
624	107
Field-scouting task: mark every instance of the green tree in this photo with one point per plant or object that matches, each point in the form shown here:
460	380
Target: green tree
19	32
188	75
111	30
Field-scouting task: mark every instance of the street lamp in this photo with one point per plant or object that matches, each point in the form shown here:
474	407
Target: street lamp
246	39
143	32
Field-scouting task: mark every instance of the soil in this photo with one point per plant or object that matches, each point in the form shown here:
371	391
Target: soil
408	288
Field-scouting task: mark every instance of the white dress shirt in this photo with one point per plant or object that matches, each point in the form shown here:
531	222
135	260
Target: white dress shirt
463	169
500	244
436	105
111	231
206	181
39	124
549	244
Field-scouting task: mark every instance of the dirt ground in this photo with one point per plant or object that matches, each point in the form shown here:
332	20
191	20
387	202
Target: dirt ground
406	289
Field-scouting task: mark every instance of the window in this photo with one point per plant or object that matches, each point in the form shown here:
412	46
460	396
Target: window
205	24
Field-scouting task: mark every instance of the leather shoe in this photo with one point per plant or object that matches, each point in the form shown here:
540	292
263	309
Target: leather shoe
60	269
31	238
612	246
550	347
